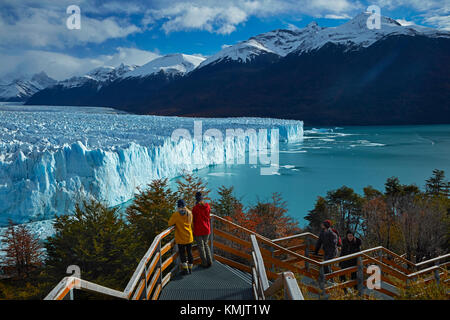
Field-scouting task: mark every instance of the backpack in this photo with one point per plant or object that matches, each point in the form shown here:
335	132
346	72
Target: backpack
339	242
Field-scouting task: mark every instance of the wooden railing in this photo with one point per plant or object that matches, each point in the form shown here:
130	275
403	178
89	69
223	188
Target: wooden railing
261	287
396	270
146	282
278	260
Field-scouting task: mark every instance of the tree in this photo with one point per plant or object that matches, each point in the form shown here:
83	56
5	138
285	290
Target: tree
317	215
397	194
23	252
371	193
97	240
275	222
227	202
189	186
150	212
345	207
380	227
424	227
436	184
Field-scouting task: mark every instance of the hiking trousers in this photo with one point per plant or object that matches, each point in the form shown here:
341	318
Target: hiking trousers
185	252
328	256
203	248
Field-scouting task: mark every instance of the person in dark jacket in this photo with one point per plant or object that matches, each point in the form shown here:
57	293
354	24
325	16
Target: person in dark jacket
350	244
202	229
328	240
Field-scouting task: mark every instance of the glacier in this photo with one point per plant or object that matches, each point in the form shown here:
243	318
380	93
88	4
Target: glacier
50	157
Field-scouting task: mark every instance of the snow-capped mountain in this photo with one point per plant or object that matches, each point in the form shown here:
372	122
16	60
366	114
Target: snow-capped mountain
23	87
278	42
171	64
343	75
98	75
353	34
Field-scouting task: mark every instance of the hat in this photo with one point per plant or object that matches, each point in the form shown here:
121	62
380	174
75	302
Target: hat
327	223
198	196
181	203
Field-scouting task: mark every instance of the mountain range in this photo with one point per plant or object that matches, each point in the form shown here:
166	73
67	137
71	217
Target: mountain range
20	88
345	75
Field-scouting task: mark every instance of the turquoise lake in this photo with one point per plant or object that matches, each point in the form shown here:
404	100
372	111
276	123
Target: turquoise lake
329	158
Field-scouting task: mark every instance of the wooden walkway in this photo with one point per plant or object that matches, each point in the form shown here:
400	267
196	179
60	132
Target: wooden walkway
219	282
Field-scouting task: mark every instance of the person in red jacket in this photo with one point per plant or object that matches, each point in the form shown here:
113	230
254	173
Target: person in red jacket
202	228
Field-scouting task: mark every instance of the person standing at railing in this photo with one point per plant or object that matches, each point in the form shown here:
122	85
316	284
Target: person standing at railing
328	239
182	220
202	228
350	244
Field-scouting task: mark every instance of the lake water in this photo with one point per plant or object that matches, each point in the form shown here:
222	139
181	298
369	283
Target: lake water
329	158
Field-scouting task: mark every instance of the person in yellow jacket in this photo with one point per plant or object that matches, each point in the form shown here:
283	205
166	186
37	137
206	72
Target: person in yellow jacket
182	220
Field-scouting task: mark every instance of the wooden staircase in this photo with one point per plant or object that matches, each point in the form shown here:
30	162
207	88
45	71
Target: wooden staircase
273	265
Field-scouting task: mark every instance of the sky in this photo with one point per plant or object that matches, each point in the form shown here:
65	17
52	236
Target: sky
34	35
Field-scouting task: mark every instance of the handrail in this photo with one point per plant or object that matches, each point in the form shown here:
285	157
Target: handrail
433	260
392	269
263	282
70	283
151	263
136	284
351	256
261	286
141	266
267	241
300	235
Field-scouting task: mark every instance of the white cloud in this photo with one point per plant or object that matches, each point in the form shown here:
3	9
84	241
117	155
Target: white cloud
41	27
223	17
191	17
61	66
441	22
337	16
420	5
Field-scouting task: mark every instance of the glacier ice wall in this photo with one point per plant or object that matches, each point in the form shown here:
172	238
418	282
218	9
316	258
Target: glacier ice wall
51	157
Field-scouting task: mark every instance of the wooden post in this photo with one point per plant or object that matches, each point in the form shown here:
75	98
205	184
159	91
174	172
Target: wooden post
322	282
272	266
436	274
360	276
307	252
160	263
211	238
145	282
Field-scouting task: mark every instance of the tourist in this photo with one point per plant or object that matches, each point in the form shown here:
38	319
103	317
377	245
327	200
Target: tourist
182	220
202	228
328	240
350	244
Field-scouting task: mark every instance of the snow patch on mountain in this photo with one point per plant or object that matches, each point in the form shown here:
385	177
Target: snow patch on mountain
171	64
99	76
22	87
